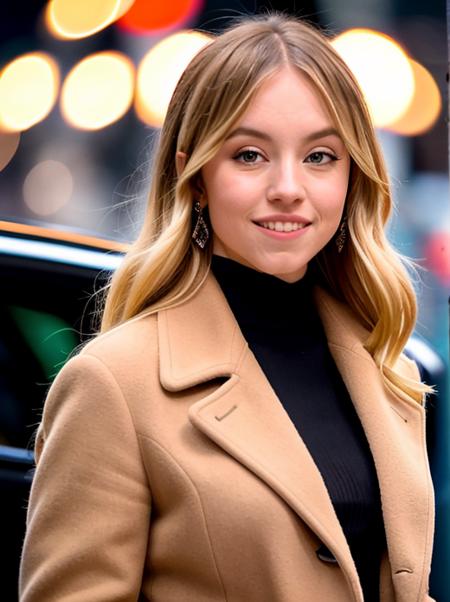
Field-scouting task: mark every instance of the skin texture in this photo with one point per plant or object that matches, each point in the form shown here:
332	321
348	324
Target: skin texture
282	171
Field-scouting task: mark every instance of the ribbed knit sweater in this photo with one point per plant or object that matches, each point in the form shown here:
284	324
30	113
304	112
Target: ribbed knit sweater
281	324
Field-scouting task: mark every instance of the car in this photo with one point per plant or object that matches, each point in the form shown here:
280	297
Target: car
51	289
48	282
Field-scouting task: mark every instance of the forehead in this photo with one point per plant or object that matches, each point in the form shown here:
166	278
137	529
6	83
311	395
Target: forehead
287	96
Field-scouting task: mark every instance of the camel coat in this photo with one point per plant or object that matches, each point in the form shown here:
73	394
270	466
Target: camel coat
169	471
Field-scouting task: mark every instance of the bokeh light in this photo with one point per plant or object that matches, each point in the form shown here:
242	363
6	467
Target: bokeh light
70	19
145	16
382	69
9	143
47	187
437	252
98	90
160	71
28	89
425	107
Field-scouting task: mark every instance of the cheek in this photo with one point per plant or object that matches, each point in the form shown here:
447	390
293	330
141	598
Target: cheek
230	196
330	196
225	217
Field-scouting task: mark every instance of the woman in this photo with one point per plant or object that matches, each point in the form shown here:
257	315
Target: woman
246	427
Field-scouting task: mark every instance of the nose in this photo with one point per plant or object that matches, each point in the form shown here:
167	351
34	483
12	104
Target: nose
286	183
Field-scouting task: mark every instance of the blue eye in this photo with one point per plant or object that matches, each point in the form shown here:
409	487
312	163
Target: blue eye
318	158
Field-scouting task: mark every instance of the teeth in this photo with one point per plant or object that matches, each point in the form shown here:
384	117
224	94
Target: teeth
282	226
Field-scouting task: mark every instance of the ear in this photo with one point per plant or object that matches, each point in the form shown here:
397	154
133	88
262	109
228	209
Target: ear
180	162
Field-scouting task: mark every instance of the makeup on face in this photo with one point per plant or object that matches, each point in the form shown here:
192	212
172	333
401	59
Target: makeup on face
276	189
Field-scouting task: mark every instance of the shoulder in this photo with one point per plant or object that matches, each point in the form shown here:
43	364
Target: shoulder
118	361
125	344
108	372
407	367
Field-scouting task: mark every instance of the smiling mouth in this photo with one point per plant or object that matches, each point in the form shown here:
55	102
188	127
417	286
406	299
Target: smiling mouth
282	226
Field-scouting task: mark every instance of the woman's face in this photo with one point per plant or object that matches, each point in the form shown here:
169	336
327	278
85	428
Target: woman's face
276	189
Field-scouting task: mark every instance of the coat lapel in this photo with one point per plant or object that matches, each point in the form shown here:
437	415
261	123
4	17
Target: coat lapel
200	340
395	430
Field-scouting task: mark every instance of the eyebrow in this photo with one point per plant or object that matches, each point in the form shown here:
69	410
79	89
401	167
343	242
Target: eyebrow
245	131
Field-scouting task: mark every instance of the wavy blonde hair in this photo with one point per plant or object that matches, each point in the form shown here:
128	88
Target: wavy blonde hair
164	267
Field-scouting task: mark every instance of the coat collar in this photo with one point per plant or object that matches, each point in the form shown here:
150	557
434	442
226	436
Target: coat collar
205	320
200	340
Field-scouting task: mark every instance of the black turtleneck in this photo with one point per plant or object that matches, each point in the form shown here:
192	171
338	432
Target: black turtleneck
282	327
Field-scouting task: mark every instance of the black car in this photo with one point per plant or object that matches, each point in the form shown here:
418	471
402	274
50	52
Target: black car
51	289
47	309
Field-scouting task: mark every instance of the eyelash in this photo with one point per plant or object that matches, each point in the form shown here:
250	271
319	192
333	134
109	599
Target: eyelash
241	153
325	154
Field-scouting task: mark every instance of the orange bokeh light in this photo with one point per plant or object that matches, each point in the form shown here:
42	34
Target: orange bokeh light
145	16
382	69
424	108
160	70
29	86
69	20
98	90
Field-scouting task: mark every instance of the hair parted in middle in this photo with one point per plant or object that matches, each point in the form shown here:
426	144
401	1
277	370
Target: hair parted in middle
164	266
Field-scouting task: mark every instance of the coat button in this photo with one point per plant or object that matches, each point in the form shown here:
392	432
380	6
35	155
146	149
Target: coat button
324	554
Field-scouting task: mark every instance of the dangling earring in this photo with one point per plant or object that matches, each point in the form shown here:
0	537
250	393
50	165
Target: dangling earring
201	232
342	236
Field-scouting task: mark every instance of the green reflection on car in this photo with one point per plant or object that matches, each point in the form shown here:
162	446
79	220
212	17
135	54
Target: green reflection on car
49	337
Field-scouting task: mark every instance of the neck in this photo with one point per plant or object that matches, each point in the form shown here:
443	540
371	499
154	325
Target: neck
262	299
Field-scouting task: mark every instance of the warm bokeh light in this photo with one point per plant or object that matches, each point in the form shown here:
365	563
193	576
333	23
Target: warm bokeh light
160	71
9	143
437	252
382	69
98	90
47	187
28	89
145	16
70	19
425	107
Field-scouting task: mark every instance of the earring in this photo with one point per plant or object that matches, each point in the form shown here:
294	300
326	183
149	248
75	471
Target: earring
342	236
201	232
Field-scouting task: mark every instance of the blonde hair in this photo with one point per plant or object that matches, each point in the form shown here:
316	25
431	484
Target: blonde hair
164	266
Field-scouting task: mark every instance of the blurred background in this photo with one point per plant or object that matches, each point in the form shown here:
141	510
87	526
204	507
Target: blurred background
84	86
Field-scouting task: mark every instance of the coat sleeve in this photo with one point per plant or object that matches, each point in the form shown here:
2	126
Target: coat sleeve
89	510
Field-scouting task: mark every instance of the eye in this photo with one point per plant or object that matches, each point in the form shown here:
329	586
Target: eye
320	158
248	156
